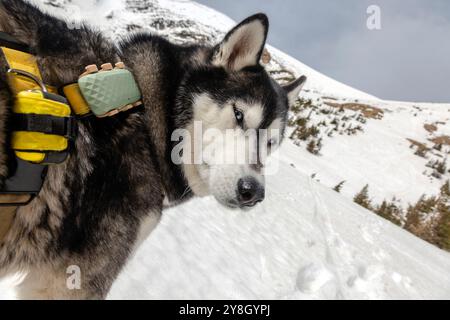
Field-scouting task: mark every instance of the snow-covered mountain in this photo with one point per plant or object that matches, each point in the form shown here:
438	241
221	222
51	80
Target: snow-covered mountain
305	241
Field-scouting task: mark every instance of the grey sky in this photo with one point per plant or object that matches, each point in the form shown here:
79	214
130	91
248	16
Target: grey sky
408	59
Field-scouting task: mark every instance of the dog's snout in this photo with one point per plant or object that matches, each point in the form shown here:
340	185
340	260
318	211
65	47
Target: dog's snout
249	191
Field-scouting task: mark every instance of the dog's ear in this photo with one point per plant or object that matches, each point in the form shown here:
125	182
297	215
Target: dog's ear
243	45
293	89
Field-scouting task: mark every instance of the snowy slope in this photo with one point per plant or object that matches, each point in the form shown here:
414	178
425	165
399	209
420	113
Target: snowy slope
382	156
305	241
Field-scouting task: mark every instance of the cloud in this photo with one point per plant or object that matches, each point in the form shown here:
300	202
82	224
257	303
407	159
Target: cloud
408	59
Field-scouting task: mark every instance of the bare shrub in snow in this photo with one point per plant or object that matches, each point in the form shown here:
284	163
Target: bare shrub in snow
314	146
429	218
339	186
390	210
362	198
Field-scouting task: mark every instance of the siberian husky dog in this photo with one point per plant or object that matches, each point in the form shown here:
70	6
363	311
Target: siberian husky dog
122	171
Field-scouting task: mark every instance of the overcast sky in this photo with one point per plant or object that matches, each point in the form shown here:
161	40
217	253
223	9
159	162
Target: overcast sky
408	59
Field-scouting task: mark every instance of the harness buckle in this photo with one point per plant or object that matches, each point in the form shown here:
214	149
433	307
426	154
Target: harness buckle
30	76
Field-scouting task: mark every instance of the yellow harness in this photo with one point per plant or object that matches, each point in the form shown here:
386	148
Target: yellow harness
43	123
39	108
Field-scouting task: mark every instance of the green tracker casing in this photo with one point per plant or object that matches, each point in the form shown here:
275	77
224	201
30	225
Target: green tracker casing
105	91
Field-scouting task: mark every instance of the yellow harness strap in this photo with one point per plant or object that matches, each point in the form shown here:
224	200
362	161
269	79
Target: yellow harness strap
31	146
26	62
30	100
76	99
32	103
22	61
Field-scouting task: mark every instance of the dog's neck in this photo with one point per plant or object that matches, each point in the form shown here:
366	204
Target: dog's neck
159	68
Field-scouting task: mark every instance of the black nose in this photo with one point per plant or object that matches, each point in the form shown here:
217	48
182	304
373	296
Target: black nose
249	192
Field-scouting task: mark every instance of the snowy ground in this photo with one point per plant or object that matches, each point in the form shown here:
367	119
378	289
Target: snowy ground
381	156
305	241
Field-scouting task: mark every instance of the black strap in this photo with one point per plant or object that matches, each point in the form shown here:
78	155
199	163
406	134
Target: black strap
52	157
61	126
55	97
26	178
6	40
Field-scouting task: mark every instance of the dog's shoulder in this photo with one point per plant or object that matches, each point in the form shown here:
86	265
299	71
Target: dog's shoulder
62	50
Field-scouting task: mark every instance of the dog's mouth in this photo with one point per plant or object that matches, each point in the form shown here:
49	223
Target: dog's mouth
236	205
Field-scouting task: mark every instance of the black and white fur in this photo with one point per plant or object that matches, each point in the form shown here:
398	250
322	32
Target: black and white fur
93	208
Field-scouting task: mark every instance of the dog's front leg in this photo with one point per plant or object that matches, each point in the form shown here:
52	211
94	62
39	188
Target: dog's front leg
88	275
48	283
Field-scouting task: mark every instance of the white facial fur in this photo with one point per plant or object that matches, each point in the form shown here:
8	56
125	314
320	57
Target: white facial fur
215	176
241	48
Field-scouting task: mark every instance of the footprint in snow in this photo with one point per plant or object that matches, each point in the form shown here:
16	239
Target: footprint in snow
312	278
369	280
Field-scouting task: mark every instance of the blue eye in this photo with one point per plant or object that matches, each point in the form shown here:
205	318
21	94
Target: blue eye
239	115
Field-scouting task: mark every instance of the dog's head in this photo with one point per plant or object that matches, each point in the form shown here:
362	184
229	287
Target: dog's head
238	115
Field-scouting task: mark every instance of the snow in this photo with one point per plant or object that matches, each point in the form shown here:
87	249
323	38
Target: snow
388	164
381	156
305	241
